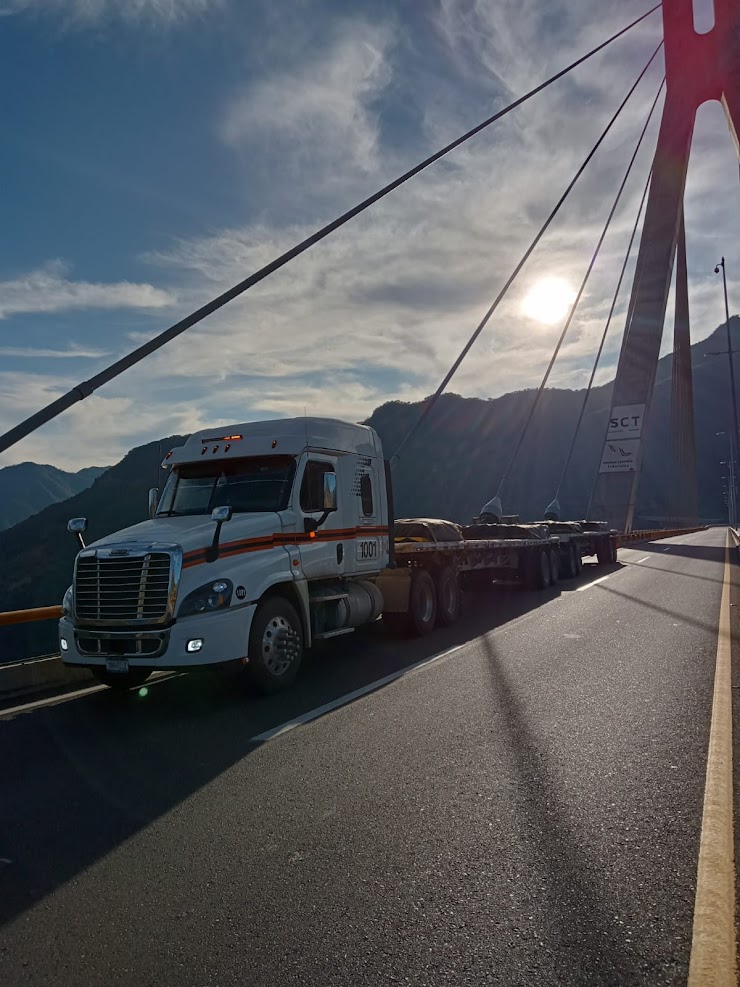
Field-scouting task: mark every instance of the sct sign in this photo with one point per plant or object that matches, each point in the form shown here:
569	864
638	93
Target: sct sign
622	439
625	422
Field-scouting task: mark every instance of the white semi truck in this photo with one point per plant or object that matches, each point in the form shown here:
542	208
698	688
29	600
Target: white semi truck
271	535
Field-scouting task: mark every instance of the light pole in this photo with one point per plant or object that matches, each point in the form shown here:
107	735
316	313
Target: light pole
731	497
729	351
731	500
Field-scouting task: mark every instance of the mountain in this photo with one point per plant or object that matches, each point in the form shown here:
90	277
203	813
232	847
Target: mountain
28	488
38	554
456	461
450	469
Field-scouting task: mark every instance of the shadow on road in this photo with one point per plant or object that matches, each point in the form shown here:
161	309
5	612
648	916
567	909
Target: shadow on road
691	550
81	777
581	915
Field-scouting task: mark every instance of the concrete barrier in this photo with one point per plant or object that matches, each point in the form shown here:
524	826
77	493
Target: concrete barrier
39	675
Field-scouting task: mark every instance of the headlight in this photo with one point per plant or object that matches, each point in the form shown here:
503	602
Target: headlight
67	603
212	596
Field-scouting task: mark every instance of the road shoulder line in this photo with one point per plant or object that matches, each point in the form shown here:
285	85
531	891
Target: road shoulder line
713	944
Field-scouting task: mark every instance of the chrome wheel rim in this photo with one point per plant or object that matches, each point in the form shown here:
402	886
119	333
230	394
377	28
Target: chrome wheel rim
426	610
280	645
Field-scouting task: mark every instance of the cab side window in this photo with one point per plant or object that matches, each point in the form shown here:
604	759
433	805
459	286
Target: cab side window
312	486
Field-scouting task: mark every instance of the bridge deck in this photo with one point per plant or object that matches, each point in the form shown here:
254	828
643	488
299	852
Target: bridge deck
525	809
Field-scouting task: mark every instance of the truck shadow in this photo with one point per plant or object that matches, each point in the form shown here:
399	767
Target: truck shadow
81	777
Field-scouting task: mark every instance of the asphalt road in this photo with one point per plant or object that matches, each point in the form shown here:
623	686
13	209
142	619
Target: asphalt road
524	810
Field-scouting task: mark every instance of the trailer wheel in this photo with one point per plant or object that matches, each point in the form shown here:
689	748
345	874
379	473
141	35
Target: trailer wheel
554	566
540	574
604	551
275	645
121	682
449	598
578	561
421	615
568	569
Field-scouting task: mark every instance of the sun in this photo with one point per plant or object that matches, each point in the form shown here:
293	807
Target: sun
549	300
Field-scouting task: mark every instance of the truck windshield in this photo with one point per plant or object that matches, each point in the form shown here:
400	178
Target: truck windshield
253	485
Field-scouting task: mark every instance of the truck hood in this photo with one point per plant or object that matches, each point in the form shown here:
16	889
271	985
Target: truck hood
193	532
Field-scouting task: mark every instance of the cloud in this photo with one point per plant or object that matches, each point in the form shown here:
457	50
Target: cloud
87	12
380	309
37	353
47	289
320	112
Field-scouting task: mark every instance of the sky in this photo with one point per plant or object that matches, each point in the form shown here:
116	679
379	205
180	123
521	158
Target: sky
155	152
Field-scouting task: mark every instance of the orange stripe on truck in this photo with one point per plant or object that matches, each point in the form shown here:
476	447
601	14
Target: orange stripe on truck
278	539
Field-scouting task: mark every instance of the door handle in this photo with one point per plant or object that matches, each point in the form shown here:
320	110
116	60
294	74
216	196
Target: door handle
340	553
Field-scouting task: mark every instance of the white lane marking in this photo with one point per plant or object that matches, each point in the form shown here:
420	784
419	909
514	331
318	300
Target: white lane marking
349	697
667	548
643	559
593	583
63	697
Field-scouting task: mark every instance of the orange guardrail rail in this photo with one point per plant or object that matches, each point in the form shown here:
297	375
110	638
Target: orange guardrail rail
27	616
653	534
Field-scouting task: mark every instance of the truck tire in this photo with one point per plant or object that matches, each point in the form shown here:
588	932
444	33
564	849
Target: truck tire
554	566
568	562
604	551
421	615
275	645
540	574
121	682
578	560
449	598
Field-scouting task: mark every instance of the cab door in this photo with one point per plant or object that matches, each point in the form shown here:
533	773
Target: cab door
323	553
370	544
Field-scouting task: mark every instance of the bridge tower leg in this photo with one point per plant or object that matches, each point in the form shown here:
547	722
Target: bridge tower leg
684	497
699	67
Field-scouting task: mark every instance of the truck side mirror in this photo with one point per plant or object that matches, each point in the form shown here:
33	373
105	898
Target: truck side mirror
153	501
330	491
220	515
77	525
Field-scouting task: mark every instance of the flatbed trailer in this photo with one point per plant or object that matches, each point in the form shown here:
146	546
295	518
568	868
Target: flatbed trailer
422	568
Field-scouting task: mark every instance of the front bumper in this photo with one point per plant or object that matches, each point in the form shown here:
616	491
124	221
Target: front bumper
225	636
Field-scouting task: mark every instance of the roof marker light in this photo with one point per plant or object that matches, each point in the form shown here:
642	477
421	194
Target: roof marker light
274	443
215	449
227	447
231	438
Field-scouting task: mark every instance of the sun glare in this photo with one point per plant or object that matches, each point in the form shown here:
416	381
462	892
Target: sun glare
549	300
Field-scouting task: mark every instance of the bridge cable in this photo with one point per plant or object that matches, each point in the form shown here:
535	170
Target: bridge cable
432	400
86	388
576	302
604	334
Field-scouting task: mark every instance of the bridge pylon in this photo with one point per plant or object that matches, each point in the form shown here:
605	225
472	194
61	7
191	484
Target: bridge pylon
699	67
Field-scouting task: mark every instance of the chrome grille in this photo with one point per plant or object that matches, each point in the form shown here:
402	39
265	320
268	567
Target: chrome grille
119	590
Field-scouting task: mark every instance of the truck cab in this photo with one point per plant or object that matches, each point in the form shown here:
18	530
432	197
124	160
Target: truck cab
267	536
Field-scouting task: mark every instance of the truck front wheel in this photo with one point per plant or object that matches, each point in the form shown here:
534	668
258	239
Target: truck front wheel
275	645
121	681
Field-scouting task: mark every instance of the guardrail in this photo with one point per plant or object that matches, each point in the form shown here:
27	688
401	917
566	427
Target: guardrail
28	616
654	534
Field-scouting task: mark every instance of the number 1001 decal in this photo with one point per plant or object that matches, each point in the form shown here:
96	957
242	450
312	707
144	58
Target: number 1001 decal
367	550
